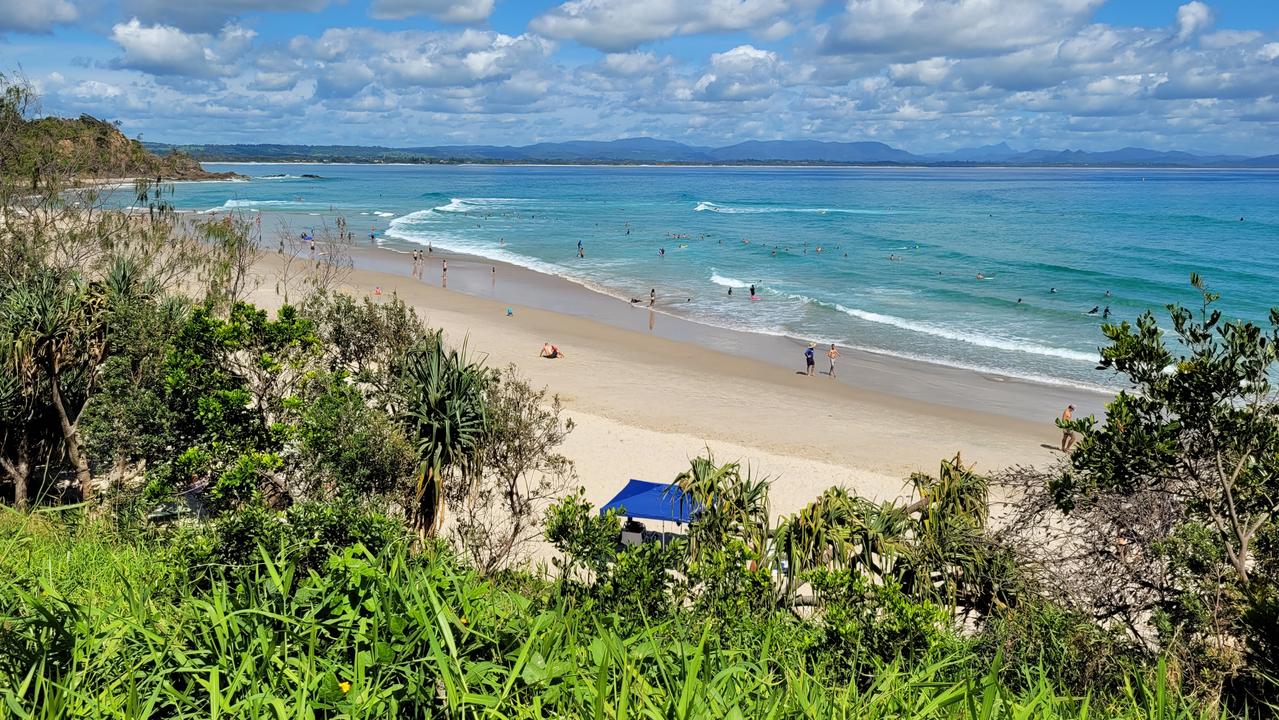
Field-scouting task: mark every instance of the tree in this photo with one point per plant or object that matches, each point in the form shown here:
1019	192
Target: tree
442	402
499	510
1173	501
55	328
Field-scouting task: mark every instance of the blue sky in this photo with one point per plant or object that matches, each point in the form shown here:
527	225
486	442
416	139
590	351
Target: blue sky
925	75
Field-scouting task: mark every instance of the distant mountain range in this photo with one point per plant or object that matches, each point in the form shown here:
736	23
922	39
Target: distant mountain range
650	150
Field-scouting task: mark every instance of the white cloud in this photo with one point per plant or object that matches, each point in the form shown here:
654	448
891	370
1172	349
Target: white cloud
743	73
615	25
922	72
916	29
443	70
451	11
166	50
632	64
208	15
95	90
35	16
1193	17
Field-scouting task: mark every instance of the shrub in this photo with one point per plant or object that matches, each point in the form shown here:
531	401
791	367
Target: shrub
861	622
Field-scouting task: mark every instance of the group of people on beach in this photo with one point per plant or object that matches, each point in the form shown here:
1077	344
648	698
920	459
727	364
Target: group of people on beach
419	262
810	360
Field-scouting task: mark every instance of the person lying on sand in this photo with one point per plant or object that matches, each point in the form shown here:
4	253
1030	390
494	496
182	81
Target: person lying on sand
551	352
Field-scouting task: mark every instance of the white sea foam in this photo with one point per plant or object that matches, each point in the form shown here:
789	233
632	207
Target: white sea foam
986	341
706	206
727	281
257	203
384	214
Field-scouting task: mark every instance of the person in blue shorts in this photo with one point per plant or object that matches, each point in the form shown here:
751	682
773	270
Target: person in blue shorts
809	362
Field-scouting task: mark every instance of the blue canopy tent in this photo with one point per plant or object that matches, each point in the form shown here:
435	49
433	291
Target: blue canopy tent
653	501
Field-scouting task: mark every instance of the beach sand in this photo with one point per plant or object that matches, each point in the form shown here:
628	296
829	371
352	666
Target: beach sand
649	390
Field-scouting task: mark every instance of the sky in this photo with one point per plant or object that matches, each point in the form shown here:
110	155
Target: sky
922	75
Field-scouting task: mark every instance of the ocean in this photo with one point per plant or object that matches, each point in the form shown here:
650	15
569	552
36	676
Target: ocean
991	269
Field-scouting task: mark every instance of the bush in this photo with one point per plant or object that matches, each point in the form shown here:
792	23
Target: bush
349	448
306	534
1083	656
863	622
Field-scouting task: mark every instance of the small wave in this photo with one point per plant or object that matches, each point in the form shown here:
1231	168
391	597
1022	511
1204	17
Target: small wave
379	213
229	204
727	281
706	206
986	341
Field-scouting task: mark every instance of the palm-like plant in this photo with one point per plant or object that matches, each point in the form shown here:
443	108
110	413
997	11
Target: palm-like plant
442	401
730	506
56	331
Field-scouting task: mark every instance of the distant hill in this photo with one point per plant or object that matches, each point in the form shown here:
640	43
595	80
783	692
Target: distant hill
651	150
810	150
87	148
986	153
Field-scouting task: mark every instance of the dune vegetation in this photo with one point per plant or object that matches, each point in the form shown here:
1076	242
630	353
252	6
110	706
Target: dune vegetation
324	510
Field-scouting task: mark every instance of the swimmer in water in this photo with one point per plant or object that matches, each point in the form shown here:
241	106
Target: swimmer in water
1106	313
1053	290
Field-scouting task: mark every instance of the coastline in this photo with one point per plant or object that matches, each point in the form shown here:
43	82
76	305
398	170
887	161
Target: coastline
650	390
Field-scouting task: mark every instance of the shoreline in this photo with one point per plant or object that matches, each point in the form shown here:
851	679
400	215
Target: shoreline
646	399
865	369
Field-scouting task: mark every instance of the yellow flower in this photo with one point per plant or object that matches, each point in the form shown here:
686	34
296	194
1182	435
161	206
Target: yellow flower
345	686
464	622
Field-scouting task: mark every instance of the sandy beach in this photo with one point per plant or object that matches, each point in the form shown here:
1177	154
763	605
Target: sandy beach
648	390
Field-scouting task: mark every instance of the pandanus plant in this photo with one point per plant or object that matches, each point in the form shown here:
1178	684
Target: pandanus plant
442	401
936	547
730	505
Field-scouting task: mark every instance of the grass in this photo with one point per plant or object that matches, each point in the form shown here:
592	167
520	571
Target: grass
97	626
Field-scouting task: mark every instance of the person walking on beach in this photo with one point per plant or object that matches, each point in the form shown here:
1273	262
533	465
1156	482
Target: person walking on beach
446	266
810	364
1067	435
831	355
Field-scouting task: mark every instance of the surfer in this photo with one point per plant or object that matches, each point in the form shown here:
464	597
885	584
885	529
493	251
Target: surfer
1052	291
1094	310
730	291
752	291
1106	313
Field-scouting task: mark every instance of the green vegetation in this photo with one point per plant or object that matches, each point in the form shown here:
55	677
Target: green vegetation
324	510
41	150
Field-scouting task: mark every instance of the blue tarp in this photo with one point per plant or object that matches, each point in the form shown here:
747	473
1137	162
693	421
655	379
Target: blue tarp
652	501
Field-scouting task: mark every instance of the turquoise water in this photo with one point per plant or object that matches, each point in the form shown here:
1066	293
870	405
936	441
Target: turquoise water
901	249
